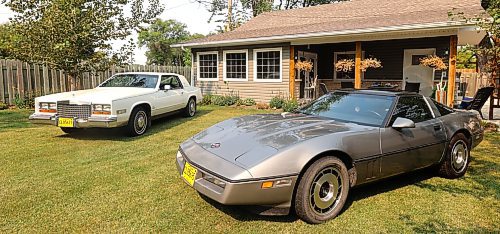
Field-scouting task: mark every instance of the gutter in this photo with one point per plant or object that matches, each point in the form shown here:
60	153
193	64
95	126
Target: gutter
353	32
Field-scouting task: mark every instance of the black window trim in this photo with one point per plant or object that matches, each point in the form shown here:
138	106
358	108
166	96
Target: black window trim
396	100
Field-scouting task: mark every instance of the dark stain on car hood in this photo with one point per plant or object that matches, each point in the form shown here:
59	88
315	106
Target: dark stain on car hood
264	135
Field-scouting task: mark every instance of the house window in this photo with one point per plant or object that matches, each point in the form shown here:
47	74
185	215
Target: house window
207	66
236	65
267	65
341	75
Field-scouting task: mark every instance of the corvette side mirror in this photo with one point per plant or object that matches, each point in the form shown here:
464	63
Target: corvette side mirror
403	123
165	87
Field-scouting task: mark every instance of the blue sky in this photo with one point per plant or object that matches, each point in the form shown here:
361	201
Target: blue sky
194	15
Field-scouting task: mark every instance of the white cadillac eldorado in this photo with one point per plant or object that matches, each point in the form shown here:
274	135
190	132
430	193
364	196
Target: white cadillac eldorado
125	99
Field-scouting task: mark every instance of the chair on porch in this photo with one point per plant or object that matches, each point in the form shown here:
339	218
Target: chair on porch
412	87
323	88
346	85
479	100
311	90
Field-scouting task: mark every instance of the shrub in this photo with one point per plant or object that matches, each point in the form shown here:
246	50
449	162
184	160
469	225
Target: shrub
276	102
26	102
230	100
3	106
246	102
207	99
223	100
290	105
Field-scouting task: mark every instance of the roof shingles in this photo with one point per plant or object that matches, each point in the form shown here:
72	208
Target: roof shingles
351	15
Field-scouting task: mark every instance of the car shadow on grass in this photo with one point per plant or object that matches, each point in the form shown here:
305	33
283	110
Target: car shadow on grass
245	213
119	134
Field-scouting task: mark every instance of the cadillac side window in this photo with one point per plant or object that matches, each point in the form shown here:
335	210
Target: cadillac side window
412	107
173	81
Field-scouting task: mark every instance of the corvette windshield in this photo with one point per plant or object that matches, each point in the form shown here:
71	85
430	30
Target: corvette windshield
132	80
347	107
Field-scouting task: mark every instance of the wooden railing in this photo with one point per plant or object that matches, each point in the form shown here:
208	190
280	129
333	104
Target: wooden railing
18	78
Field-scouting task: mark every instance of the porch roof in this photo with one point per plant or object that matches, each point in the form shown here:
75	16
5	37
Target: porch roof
345	18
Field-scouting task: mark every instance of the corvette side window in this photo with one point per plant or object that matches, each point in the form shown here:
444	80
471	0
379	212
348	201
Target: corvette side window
412	107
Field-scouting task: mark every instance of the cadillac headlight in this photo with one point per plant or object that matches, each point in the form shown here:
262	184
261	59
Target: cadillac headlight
101	109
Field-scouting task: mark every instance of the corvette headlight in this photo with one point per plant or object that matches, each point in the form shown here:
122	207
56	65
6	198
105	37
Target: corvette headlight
101	109
214	180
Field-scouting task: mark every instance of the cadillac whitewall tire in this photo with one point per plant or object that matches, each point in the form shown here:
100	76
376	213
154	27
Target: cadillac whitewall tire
139	122
456	160
322	190
190	109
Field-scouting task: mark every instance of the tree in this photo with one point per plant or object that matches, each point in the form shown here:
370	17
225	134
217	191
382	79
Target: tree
466	58
243	10
5	40
76	35
158	38
488	51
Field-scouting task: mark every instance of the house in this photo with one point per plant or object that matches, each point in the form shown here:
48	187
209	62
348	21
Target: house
257	59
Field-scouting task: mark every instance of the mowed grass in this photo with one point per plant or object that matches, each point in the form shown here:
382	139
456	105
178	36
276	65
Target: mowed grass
100	181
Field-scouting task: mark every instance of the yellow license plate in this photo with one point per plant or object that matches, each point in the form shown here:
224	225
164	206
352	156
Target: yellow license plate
189	173
66	122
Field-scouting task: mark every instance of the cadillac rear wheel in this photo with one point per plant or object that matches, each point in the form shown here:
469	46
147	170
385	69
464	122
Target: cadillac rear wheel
457	157
190	109
139	122
322	190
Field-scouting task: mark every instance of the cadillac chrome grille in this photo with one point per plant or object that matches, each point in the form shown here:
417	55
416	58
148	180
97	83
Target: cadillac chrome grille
71	110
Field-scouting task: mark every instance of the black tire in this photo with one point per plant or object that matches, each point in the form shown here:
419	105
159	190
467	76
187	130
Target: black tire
190	109
316	199
139	122
456	160
71	130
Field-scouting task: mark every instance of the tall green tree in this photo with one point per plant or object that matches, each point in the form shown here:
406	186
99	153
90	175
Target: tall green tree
243	10
77	35
159	37
5	40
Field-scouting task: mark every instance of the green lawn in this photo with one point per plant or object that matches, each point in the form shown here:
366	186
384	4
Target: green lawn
100	181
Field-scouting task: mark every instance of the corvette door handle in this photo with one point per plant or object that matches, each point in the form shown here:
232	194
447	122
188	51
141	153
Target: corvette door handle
437	127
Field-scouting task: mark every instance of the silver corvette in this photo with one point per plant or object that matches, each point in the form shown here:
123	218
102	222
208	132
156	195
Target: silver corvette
308	160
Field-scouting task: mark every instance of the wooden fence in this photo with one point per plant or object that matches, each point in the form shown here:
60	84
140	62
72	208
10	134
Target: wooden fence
20	78
474	80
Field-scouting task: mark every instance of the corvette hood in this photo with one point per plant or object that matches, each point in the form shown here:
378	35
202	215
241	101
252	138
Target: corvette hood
97	95
264	135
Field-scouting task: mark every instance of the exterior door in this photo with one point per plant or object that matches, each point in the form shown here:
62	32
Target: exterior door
306	78
415	73
407	149
169	100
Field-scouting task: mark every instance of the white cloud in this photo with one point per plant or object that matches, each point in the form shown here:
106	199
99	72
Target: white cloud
189	12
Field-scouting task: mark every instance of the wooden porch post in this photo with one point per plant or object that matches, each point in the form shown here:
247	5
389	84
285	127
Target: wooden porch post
452	70
357	68
292	73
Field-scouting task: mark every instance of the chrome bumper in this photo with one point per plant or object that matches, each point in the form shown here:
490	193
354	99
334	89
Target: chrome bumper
91	122
244	192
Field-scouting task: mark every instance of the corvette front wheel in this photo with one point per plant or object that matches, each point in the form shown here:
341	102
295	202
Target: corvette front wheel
322	190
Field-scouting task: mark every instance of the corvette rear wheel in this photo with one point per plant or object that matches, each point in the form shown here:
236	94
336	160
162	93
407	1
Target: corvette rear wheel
322	190
456	159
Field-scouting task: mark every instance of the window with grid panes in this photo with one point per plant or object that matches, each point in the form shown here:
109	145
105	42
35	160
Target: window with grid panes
236	65
207	65
268	65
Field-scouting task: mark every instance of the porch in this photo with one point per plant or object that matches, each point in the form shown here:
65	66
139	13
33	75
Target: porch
400	60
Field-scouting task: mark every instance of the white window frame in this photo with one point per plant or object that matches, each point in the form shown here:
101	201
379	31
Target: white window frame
198	65
335	62
255	65
224	69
